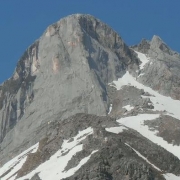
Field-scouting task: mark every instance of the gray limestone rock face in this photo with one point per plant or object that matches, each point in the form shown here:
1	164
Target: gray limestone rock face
129	96
165	77
63	73
162	73
17	93
159	49
143	46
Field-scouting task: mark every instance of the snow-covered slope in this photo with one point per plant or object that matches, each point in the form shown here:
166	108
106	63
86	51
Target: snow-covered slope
88	145
54	168
137	123
143	58
10	169
161	103
170	176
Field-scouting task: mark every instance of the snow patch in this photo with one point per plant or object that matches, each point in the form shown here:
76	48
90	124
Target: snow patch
14	165
143	58
142	74
160	102
81	163
110	109
54	168
116	130
170	176
128	107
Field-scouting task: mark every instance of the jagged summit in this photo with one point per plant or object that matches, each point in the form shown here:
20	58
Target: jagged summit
94	27
78	16
143	46
156	48
156	40
158	44
162	67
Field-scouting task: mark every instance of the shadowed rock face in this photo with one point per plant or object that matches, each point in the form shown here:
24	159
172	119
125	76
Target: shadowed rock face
63	73
17	93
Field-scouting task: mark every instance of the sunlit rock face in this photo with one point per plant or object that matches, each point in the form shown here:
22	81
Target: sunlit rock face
64	72
162	72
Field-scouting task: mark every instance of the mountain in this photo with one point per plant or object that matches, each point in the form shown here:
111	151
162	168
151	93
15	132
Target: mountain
81	104
165	71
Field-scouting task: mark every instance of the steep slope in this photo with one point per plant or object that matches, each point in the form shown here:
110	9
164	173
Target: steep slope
143	109
163	67
63	73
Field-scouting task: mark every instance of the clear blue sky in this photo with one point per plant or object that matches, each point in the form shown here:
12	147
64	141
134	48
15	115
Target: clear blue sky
22	22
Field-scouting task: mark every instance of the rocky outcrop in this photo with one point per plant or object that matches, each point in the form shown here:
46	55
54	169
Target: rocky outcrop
154	153
143	46
163	67
16	94
167	127
35	177
132	97
114	158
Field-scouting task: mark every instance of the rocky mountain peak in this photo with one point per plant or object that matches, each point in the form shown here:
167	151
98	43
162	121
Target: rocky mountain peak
162	65
156	41
143	46
63	73
156	48
158	44
85	105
